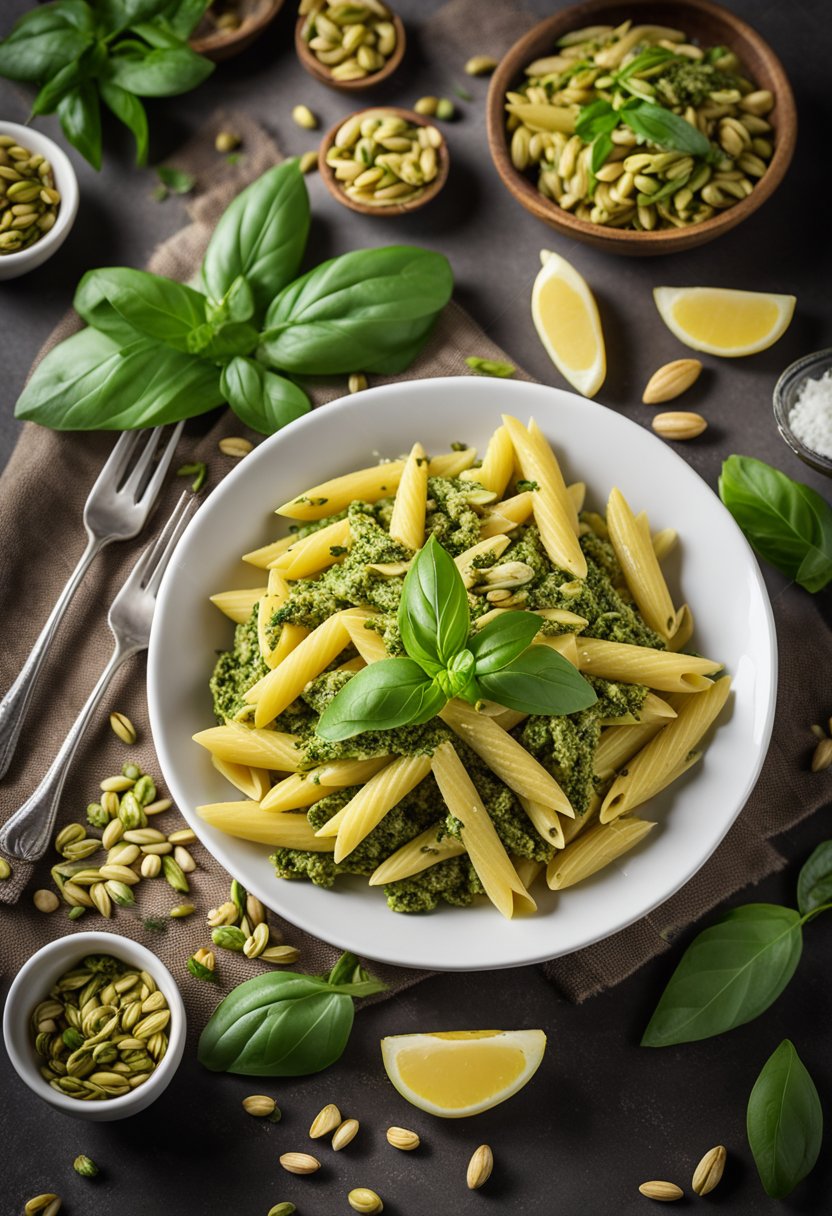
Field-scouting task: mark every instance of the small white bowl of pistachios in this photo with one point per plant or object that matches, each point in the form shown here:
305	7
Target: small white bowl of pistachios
38	199
94	1024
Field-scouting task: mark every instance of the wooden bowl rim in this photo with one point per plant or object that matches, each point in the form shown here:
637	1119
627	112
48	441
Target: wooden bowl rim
250	28
324	74
430	192
626	240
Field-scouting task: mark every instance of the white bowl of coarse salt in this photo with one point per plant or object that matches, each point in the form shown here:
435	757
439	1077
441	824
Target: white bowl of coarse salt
803	409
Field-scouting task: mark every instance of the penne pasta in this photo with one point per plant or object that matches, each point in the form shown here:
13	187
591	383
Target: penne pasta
545	821
266	608
660	669
278	585
664	542
488	857
601	844
684	629
264	557
367	641
653	709
497	464
464	562
507	515
577	495
619	744
528	871
304	789
316	552
253	782
276	691
248	822
574	827
423	851
407	523
270	749
633	546
238	605
370	804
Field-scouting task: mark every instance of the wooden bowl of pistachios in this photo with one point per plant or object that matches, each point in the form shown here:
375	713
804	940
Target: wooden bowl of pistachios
384	161
231	26
349	46
641	127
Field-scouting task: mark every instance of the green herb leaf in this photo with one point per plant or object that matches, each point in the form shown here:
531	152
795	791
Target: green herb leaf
37	50
80	115
814	882
284	1024
261	236
784	1122
119	14
369	311
236	305
651	58
160	72
788	523
729	975
58	86
262	400
129	110
154	306
490	367
434	620
183	17
177	181
538	681
598	118
198	470
382	696
602	146
666	129
502	640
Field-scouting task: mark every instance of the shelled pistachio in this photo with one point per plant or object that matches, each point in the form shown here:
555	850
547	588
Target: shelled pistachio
29	202
352	41
382	160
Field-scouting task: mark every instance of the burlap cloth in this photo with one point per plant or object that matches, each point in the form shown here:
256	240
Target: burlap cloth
42	493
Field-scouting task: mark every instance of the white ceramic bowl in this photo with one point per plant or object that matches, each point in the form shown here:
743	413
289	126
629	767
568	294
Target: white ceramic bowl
32	984
714	571
12	265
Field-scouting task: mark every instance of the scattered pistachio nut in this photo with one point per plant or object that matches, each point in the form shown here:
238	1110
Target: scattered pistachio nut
225	914
362	1199
257	941
679	425
822	756
480	65
308	162
282	1209
480	1167
281	955
401	1138
326	1121
299	1163
123	727
259	1105
5	870
304	117
151	866
235	447
709	1171
172	872
183	859
671	381
227	141
76	913
85	1166
426	106
182	836
664	1192
118	784
229	937
380	159
29	202
350	41
255	911
40	1203
445	109
202	964
112	834
180	911
357	382
344	1134
45	900
156	808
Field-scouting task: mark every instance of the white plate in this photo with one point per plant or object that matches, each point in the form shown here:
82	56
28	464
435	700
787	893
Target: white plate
714	570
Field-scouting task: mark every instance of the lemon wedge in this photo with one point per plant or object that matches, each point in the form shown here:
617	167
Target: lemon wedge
566	318
721	321
462	1072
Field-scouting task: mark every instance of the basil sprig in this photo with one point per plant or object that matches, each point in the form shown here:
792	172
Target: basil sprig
653	123
285	1024
787	523
498	663
82	53
156	350
784	1122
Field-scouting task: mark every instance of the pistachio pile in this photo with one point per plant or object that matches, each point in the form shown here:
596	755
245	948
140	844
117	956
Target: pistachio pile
381	159
352	41
102	1029
240	925
29	201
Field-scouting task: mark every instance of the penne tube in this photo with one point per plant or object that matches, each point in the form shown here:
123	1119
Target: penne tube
595	849
248	822
274	750
620	743
684	629
574	827
464	561
630	537
407	521
653	709
238	605
661	669
276	691
366	809
484	847
304	789
528	871
266	608
264	556
653	768
253	782
507	515
368	642
507	758
497	464
290	638
315	552
425	850
664	542
452	464
278	585
341	773
545	821
577	495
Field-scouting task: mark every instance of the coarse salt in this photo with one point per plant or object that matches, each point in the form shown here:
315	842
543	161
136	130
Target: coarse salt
810	418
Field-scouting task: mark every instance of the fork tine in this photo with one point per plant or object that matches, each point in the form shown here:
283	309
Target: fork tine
118	459
155	484
176	525
134	482
151	554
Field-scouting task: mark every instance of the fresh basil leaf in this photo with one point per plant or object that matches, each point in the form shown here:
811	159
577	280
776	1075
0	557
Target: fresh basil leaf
58	86
434	619
119	14
183	17
160	73
729	975
598	118
666	129
814	882
283	1024
651	58
370	310
37	53
538	681
57	15
226	341
80	115
129	110
262	235
602	146
175	180
158	33
154	306
503	639
787	523
236	305
784	1122
262	400
666	191
455	679
382	696
88	382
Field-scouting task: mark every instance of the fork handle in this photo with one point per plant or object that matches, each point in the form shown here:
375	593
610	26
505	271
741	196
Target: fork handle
26	835
15	703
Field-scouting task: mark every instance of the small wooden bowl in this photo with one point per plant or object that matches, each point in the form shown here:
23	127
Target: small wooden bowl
428	194
223	44
708	23
322	73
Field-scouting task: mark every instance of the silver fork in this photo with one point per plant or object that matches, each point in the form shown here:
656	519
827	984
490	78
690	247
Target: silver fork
27	833
116	509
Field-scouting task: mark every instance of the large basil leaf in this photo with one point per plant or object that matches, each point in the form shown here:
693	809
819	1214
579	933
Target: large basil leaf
36	50
598	118
57	15
382	696
183	16
370	310
788	523
728	975
222	342
434	619
784	1122
156	307
58	86
160	72
262	400
666	129
284	1024
503	639
129	110
89	382
814	882
539	681
80	115
261	236
119	14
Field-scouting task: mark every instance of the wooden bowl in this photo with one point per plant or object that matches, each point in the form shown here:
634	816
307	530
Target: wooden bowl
707	23
334	186
223	44
322	73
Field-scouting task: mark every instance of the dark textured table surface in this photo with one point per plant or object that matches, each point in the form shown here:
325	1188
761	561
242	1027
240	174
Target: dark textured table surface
603	1114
